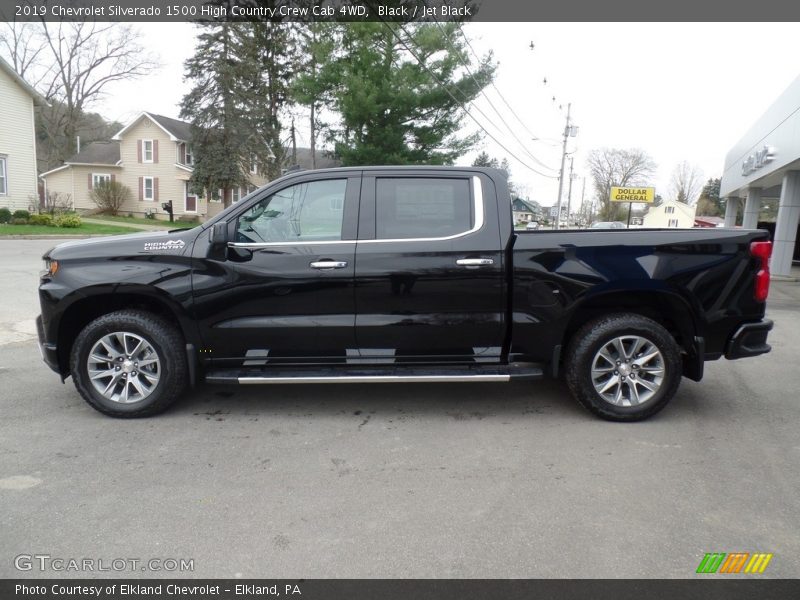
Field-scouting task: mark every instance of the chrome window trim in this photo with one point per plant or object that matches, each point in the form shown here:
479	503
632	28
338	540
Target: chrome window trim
479	222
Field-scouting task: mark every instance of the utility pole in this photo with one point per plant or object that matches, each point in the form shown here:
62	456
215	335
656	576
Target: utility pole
569	192
568	132
583	202
294	145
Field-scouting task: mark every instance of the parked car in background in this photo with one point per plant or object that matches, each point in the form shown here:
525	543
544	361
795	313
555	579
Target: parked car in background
532	226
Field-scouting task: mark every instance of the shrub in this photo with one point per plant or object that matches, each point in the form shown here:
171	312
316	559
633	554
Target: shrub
21	214
188	219
110	196
18	221
43	219
56	202
68	220
5	215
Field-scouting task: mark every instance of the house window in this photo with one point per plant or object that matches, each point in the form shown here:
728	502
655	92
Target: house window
673	223
253	165
3	177
147	151
185	154
669	210
235	194
98	178
148	189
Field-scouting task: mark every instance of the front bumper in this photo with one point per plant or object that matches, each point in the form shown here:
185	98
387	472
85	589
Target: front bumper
749	340
48	351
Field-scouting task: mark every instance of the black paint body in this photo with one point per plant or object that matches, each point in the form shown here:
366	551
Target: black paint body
406	301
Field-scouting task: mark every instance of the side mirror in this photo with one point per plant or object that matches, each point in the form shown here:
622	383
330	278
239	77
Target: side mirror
219	233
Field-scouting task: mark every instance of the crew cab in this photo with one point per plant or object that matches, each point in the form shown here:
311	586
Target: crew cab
399	274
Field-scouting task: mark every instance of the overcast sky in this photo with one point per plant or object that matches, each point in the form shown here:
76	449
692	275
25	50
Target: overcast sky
678	91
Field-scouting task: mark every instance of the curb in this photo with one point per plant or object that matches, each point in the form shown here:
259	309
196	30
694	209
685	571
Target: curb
55	237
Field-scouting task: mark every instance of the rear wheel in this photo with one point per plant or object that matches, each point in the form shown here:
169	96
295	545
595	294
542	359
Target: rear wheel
129	363
623	367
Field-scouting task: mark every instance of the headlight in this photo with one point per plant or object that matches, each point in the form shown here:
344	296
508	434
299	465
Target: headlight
50	267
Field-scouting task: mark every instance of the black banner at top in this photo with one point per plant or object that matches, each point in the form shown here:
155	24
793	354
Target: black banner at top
399	10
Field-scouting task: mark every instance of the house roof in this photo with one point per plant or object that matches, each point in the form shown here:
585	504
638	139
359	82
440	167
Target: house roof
682	206
324	161
712	220
178	131
526	205
96	153
7	68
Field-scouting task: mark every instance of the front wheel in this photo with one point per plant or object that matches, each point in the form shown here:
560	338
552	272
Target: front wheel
623	367
129	363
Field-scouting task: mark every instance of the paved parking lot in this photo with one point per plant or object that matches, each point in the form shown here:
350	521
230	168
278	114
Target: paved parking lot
477	480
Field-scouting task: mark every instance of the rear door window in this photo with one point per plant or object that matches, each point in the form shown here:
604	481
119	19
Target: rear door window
414	208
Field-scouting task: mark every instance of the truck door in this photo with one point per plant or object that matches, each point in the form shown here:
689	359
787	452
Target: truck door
429	274
282	291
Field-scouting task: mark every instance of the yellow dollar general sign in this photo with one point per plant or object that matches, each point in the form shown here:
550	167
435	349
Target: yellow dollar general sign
633	194
734	562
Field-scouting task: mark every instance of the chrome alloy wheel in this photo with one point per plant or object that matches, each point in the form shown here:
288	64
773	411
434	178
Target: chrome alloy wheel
628	370
123	367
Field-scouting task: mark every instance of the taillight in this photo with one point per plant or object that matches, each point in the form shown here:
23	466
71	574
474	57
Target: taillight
762	251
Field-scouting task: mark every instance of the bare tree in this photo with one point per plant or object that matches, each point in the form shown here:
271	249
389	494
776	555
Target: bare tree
110	196
72	65
686	182
20	43
87	58
617	167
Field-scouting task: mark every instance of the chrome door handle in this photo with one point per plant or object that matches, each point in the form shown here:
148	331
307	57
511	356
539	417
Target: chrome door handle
475	262
329	264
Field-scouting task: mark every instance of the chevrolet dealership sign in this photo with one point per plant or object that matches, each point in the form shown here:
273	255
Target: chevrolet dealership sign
633	194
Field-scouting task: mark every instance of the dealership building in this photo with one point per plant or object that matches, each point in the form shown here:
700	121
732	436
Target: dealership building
764	164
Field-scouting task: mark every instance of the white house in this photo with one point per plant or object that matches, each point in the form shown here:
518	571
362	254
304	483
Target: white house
18	182
670	213
152	156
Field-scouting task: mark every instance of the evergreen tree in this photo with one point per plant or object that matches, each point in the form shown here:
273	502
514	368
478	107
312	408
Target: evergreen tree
709	203
220	140
392	94
484	160
271	51
316	77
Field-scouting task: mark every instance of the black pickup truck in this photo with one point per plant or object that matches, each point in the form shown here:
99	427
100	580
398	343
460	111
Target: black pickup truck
393	274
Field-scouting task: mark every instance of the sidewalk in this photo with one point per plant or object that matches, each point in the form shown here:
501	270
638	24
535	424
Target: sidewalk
167	225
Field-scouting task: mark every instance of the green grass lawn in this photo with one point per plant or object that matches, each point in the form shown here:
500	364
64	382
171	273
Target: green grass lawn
84	229
141	221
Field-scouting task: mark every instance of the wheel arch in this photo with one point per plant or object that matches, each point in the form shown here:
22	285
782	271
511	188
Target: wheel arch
96	303
665	307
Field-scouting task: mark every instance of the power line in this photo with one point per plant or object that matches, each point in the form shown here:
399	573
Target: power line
513	112
489	100
459	102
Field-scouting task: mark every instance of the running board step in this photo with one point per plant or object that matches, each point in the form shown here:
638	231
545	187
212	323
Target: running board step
376	375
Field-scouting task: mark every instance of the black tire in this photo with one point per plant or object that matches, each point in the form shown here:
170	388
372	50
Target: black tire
164	339
586	344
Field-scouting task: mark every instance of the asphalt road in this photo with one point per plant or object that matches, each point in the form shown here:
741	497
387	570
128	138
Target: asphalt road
479	480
